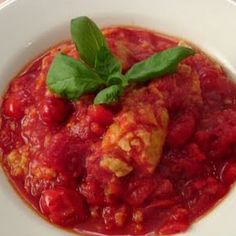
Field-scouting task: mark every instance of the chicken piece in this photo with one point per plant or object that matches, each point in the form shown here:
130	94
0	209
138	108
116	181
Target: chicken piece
18	161
132	45
39	178
137	136
180	90
115	165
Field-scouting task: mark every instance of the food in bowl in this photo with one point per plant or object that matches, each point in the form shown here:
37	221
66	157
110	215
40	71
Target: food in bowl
122	132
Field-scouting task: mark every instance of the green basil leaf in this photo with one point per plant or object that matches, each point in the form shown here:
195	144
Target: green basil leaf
88	39
161	63
109	95
106	64
71	78
117	78
114	79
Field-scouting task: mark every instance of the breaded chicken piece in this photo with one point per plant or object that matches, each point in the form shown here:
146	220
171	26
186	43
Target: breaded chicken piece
136	138
180	90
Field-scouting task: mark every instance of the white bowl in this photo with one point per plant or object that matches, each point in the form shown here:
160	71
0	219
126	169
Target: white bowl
29	27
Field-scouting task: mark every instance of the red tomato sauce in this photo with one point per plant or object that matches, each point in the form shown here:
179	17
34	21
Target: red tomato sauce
154	162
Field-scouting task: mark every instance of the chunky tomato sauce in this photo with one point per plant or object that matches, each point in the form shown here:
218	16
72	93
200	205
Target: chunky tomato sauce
154	162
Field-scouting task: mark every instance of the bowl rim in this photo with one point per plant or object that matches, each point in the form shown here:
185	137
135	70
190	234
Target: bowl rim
32	43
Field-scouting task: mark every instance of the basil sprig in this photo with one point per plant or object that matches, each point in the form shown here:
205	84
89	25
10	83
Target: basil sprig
98	71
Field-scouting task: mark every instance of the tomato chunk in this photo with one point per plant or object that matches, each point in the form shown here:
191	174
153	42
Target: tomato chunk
63	206
14	106
100	114
181	130
54	110
228	174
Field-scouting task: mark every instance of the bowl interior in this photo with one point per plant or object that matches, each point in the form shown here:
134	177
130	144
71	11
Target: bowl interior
28	33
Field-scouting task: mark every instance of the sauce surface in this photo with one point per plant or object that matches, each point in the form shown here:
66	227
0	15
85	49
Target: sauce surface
157	160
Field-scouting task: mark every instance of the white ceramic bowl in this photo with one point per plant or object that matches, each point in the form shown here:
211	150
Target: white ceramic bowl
28	27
